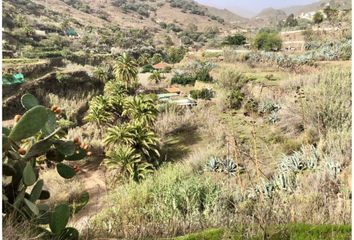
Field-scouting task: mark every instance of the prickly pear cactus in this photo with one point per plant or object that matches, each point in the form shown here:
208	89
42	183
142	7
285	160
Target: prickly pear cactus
20	171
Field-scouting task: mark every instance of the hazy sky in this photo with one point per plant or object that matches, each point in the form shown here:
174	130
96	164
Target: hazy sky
253	6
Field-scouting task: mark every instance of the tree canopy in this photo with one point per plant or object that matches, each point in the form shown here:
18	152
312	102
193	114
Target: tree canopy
267	41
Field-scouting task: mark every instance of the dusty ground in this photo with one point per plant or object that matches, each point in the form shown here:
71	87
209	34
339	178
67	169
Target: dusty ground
95	184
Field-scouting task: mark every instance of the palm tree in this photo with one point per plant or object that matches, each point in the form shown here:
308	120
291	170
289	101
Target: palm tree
123	157
138	136
114	88
143	59
101	74
142	108
99	111
126	70
141	170
156	76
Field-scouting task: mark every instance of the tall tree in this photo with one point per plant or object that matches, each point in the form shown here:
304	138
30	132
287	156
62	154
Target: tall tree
126	70
318	18
142	108
291	21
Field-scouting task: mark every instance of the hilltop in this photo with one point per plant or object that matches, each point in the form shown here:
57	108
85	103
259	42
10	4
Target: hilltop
339	4
227	15
104	23
269	16
122	13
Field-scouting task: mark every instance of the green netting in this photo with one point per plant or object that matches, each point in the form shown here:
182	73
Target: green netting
13	79
71	32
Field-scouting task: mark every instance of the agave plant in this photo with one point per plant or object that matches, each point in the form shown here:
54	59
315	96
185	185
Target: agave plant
310	156
273	117
229	167
284	182
213	165
299	161
332	167
266	189
268	106
293	163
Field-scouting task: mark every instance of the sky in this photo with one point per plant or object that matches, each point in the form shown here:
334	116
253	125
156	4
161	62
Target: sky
249	7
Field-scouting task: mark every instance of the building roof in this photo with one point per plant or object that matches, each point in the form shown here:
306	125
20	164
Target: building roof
184	102
161	65
173	90
166	95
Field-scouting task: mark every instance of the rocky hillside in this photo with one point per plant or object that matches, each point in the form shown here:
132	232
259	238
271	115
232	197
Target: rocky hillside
341	4
227	15
124	13
269	16
128	23
105	24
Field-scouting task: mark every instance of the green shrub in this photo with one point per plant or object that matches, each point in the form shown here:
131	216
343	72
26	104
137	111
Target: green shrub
205	93
291	21
231	80
235	99
183	79
166	70
251	106
326	105
147	68
175	55
174	199
237	40
290	231
267	41
201	70
318	18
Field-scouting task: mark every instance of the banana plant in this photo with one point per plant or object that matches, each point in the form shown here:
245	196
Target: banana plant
21	173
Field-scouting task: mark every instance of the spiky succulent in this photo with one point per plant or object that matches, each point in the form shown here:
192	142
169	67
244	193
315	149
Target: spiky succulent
213	165
229	166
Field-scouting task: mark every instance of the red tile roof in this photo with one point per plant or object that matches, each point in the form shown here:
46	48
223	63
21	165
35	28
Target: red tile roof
173	90
161	65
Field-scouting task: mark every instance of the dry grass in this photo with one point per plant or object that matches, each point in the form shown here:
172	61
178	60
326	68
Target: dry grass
71	105
61	190
17	231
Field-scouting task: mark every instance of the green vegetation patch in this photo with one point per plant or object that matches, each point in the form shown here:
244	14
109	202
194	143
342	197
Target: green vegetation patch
210	234
288	232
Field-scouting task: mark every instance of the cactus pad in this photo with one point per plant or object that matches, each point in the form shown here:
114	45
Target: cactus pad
30	123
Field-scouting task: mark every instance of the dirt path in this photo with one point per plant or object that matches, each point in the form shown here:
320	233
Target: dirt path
95	184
